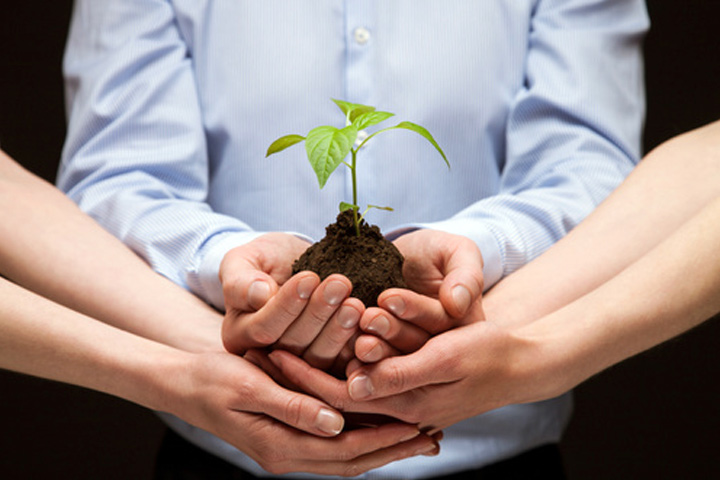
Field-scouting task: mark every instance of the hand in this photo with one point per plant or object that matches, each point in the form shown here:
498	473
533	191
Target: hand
456	375
282	430
444	273
265	306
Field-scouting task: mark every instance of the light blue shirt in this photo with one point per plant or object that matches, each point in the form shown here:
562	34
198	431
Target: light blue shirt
172	105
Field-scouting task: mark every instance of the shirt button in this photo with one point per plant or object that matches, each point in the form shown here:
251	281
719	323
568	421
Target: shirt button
361	137
362	35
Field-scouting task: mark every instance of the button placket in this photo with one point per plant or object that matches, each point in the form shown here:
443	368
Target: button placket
360	39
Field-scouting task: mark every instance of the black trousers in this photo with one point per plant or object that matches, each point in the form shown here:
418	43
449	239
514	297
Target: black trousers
179	459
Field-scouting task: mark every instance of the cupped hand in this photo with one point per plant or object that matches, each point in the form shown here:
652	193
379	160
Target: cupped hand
456	375
444	275
268	306
282	430
445	266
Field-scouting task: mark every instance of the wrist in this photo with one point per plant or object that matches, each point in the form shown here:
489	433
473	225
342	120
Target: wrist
545	355
201	335
152	376
567	348
535	367
169	381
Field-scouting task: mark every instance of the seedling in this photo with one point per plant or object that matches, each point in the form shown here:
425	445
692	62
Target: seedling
327	147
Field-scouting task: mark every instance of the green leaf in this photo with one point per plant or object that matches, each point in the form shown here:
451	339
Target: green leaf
370	207
422	131
352	110
368	119
344	106
282	143
389	209
348	206
327	147
359	111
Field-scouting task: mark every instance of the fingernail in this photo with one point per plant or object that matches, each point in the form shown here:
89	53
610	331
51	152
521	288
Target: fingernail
396	305
258	293
380	326
305	287
429	450
461	297
335	292
374	354
275	358
329	422
410	436
252	357
360	387
348	317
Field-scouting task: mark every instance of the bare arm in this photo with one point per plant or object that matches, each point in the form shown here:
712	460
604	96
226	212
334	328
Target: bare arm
50	247
670	185
671	289
219	392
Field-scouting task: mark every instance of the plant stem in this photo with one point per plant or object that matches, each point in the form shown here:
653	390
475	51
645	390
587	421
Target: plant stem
354	188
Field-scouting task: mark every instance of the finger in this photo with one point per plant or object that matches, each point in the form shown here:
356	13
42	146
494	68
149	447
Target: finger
248	289
476	313
462	284
262	328
312	380
334	337
322	305
335	392
401	335
345	357
250	274
260	359
397	375
295	409
420	310
371	349
351	366
353	452
420	445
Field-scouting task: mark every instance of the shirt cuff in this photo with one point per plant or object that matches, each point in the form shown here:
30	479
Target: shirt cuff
493	264
205	280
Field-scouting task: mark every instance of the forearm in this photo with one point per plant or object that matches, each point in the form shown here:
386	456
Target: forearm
673	288
65	256
673	183
44	339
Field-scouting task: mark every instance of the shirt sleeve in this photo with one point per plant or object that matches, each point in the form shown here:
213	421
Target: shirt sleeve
136	157
573	132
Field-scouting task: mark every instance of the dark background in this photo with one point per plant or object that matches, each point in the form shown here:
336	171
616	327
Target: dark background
655	416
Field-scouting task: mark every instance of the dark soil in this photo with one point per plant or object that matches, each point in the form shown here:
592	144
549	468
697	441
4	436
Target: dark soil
369	261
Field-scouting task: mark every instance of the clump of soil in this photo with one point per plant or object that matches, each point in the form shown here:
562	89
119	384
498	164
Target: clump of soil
369	261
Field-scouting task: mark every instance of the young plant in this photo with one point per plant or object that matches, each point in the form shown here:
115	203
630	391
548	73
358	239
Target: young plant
327	147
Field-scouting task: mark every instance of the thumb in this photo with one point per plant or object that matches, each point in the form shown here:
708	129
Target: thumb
246	286
392	376
462	284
